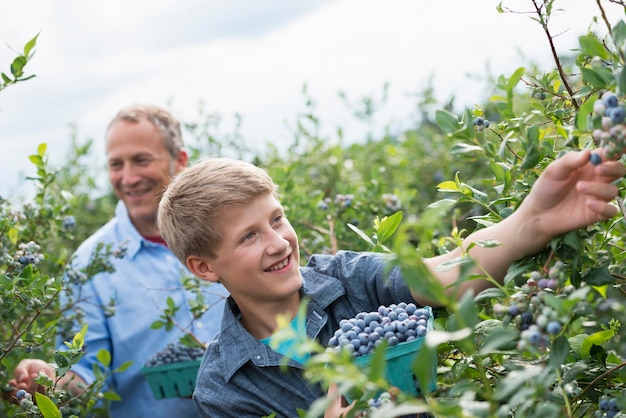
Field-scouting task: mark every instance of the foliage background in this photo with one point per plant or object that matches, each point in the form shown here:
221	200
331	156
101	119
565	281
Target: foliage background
446	178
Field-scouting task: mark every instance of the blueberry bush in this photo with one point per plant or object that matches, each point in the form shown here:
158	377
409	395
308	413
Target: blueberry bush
549	341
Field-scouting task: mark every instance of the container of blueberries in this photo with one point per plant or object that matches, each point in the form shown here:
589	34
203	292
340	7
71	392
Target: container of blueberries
403	327
171	373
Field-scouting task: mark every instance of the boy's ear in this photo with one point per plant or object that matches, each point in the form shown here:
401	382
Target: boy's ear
201	268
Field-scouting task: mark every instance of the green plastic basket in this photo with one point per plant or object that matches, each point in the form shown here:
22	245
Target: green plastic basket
174	380
399	364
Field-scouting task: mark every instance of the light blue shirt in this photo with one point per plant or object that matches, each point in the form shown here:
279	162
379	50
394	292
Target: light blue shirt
144	278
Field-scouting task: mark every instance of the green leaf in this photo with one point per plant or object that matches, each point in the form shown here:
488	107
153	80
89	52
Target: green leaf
584	113
593	47
111	396
467	312
46	406
597	338
488	243
13	234
599	78
30	45
36	159
447	121
388	226
361	234
17	66
490	293
157	325
41	149
443	203
621	80
449	264
448	186
515	78
559	352
104	357
123	367
599	276
515	380
499	339
462	148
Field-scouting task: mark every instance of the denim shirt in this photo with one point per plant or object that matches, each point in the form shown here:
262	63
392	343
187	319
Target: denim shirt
144	278
241	377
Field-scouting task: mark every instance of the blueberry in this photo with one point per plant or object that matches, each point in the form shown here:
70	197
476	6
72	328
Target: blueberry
595	159
20	394
609	99
617	114
553	327
534	337
69	222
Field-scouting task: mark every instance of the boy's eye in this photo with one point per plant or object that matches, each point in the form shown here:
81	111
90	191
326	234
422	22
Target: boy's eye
248	236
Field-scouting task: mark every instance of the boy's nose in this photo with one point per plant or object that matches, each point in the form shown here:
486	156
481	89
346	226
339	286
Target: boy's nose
278	244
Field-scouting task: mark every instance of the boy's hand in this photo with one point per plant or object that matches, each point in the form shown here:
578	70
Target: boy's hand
337	408
572	193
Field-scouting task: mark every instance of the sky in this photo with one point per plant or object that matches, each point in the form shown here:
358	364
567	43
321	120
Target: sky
252	58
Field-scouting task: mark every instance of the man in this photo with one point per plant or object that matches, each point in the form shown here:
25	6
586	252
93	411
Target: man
144	149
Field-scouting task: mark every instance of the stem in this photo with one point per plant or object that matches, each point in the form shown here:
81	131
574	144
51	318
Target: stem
544	25
598	378
568	406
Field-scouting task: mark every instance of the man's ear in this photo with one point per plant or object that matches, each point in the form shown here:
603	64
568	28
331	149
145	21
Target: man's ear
201	268
182	159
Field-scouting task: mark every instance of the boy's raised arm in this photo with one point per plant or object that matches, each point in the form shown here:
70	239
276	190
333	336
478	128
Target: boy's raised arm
570	194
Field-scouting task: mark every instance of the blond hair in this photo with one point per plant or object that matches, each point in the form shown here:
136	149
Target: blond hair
168	125
189	211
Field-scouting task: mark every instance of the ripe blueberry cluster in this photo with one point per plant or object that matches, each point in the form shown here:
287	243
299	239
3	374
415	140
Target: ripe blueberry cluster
28	254
528	310
397	323
611	133
69	222
480	124
375	403
175	352
608	407
24	398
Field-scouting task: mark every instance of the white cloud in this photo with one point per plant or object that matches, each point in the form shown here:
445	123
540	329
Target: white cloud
252	58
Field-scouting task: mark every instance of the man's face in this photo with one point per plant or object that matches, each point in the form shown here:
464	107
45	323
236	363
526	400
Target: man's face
258	260
139	170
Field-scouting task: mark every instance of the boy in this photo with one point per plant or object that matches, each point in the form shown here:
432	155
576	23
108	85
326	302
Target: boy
222	218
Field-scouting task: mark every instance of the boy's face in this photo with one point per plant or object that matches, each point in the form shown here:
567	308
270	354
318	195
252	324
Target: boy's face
258	260
140	167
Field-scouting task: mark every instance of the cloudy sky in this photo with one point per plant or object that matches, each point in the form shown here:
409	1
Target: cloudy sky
252	57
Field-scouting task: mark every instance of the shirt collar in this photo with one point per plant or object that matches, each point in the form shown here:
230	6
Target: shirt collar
134	240
322	290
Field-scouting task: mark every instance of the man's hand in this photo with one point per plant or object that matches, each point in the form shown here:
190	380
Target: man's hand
25	374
